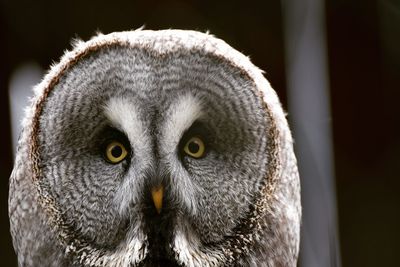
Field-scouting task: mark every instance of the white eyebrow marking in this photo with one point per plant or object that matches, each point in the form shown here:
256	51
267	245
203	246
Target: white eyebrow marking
182	114
124	114
179	117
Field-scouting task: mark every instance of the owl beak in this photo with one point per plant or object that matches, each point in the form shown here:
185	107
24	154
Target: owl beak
157	195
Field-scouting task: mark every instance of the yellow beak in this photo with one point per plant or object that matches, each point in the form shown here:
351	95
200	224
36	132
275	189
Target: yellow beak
157	195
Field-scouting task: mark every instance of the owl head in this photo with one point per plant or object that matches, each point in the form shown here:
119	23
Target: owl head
155	148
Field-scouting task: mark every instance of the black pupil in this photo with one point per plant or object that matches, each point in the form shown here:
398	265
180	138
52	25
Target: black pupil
116	151
193	147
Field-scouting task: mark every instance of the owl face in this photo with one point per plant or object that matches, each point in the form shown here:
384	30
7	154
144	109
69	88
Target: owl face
124	122
161	149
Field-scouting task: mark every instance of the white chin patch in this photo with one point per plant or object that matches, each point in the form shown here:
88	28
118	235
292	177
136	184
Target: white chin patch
188	252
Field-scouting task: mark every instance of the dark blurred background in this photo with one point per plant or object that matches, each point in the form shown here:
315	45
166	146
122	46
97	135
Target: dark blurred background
363	63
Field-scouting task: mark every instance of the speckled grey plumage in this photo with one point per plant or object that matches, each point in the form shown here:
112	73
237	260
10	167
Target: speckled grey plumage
237	206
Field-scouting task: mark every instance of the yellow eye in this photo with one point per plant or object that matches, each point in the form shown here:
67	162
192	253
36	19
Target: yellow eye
115	152
194	147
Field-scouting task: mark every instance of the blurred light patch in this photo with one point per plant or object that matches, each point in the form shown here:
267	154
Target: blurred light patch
309	114
20	90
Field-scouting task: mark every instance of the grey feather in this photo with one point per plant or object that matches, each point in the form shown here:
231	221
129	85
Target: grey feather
238	205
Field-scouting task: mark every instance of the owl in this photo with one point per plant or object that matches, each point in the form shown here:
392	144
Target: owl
155	148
